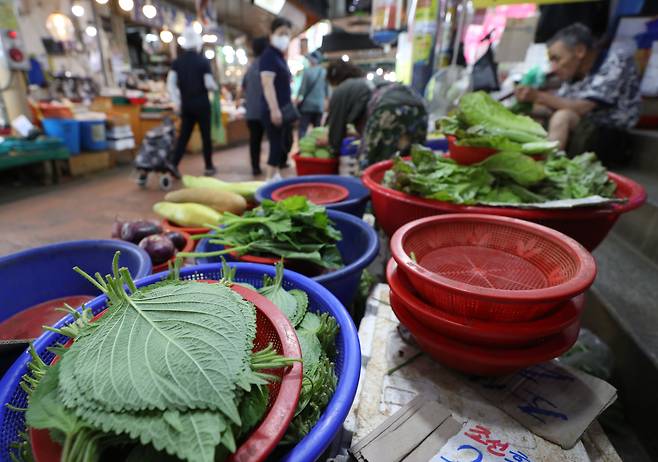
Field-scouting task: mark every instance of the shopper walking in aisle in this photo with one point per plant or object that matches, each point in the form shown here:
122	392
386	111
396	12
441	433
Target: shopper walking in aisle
389	116
188	82
278	112
312	93
251	87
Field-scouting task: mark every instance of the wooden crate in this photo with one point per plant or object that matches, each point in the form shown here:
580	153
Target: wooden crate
89	162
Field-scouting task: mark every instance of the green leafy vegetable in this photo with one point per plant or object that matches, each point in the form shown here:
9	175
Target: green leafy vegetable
293	228
169	367
479	108
505	177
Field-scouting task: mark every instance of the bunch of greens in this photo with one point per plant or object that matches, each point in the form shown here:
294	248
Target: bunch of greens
315	144
293	228
505	177
317	339
483	122
167	373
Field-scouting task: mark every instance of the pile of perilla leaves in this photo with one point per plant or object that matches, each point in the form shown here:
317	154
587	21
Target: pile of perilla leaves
169	372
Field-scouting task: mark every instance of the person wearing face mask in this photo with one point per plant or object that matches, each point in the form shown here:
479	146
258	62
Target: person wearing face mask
278	113
599	98
188	82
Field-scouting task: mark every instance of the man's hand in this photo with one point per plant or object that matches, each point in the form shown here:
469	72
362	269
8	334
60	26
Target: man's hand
276	118
525	94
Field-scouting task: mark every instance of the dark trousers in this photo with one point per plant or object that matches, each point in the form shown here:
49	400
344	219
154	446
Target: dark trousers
280	139
307	118
189	118
256	131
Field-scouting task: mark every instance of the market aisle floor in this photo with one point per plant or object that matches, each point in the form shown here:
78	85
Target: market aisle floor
84	208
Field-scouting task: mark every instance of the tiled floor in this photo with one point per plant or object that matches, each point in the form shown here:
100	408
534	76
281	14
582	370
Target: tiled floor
84	208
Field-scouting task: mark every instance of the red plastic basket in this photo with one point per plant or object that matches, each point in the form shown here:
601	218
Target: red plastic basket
480	360
317	192
313	166
491	268
587	225
467	155
189	247
484	333
272	327
166	224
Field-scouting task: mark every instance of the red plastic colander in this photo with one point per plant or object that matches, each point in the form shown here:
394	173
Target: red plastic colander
491	268
486	333
272	327
170	225
316	192
481	360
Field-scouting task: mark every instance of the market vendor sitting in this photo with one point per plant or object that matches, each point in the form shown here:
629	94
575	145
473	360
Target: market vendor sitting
599	98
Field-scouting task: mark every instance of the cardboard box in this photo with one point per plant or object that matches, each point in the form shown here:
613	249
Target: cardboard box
89	162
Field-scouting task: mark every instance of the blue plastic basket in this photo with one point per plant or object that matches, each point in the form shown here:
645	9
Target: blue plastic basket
359	247
348	360
34	276
67	130
355	204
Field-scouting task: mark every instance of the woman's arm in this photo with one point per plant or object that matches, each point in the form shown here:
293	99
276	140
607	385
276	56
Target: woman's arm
172	89
267	81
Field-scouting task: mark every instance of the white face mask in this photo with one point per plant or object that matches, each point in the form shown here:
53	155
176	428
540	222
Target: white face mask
280	42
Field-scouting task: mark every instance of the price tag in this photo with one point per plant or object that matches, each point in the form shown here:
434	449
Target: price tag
479	443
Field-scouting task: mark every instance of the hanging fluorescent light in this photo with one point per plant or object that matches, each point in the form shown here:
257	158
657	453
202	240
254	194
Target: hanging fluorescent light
166	36
149	10
273	6
197	26
78	10
345	58
91	31
126	5
209	54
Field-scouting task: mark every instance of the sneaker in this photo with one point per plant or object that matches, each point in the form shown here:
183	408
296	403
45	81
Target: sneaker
275	178
210	171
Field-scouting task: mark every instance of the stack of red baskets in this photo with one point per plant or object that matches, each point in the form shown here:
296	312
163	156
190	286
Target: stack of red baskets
488	295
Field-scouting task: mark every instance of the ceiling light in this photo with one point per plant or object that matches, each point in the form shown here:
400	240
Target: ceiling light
78	10
198	28
228	50
150	38
102	2
242	60
370	76
166	36
209	54
60	27
210	38
91	31
379	71
181	40
150	11
229	58
126	5
345	58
